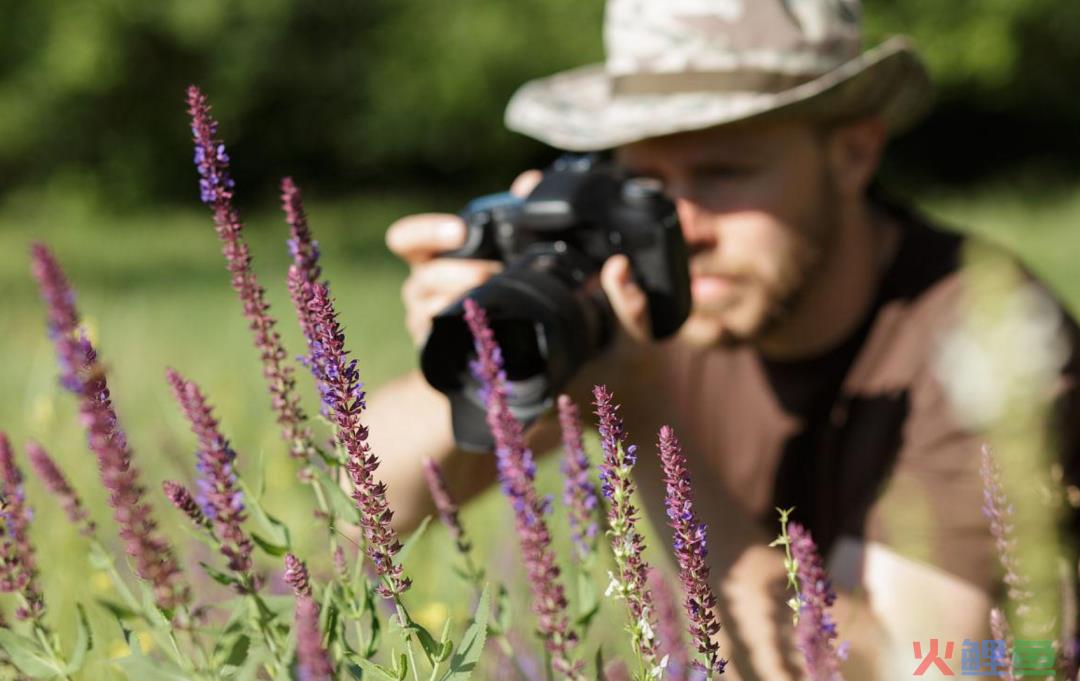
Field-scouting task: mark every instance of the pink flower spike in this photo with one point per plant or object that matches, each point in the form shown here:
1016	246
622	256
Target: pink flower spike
18	566
83	374
690	551
216	190
219	495
517	473
54	480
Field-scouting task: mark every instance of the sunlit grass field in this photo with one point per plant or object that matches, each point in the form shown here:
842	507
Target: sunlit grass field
155	293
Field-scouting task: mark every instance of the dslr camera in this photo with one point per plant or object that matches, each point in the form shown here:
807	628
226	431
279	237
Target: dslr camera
546	308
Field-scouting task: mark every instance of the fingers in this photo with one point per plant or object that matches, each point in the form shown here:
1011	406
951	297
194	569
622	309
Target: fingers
419	238
434	285
628	301
525	183
448	277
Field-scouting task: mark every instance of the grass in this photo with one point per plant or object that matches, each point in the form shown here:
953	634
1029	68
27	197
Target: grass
155	293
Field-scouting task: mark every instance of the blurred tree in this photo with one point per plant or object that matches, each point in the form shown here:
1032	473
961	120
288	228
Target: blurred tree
352	94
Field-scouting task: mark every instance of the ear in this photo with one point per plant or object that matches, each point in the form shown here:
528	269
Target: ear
855	153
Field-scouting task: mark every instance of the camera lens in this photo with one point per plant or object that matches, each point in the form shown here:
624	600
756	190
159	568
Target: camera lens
545	320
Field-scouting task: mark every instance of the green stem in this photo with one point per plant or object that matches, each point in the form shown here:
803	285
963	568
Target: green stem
405	622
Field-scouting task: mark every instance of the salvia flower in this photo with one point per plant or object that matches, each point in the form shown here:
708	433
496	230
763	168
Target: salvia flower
344	400
628	546
54	480
303	249
999	512
690	551
313	663
18	571
218	495
296	576
579	493
446	505
815	632
82	373
999	629
669	630
517	473
216	190
181	498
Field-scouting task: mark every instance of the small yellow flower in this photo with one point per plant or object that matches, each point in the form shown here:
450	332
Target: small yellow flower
146	640
100	581
42	412
90	328
433	615
118	648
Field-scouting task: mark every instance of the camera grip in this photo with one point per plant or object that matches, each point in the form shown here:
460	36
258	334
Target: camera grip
662	271
481	217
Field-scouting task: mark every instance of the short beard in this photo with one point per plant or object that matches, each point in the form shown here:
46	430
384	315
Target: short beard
820	238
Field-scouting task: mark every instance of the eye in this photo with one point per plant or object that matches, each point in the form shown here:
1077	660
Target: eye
721	171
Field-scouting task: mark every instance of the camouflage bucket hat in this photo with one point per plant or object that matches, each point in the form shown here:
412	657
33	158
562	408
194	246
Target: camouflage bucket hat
680	65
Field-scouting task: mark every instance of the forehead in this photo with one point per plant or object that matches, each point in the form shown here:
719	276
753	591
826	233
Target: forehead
758	140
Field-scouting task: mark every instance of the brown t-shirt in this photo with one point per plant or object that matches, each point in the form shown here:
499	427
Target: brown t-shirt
862	440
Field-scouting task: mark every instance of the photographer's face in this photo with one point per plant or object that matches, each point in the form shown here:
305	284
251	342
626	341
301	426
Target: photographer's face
758	209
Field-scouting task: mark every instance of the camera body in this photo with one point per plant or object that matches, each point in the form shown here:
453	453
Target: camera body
547	309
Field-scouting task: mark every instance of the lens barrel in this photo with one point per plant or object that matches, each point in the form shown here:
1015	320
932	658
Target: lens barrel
549	317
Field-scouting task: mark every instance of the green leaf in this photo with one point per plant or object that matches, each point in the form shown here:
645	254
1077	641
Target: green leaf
238	651
411	542
268	547
502	611
28	656
275	531
340	503
589	603
218	576
140	668
427	641
472	643
154	615
84	641
601	675
376	669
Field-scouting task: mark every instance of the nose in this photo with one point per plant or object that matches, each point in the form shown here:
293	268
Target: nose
696	224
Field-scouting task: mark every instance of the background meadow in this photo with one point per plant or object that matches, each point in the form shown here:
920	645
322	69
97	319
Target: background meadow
378	109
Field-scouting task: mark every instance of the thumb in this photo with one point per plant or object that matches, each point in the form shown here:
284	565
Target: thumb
628	301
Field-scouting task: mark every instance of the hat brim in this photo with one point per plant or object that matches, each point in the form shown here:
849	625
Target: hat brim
577	110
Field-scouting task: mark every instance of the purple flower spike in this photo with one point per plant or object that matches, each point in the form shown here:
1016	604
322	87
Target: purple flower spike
579	493
82	374
690	551
313	664
815	632
218	494
181	498
517	477
296	576
669	631
216	190
999	512
627	544
53	479
343	401
446	505
302	247
18	566
999	629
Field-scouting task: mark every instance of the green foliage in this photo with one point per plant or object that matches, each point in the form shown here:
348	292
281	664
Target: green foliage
391	91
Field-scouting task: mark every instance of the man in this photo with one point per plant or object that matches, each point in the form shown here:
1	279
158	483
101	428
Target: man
805	374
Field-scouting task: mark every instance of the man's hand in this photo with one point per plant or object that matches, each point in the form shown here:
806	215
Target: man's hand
433	283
